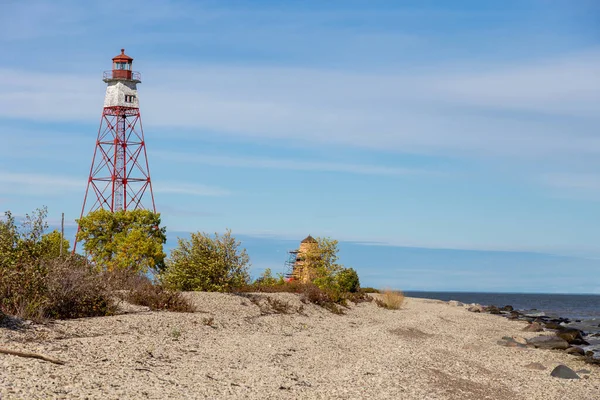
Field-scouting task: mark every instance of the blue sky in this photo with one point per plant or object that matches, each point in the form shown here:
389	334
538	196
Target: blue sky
465	131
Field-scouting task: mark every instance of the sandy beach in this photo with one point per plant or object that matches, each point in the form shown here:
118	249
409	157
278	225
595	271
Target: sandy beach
234	347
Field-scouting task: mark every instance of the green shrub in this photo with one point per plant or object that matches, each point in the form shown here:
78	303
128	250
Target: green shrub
347	281
205	263
369	290
267	278
123	240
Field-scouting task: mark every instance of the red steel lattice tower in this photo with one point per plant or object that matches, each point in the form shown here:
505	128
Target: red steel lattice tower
119	176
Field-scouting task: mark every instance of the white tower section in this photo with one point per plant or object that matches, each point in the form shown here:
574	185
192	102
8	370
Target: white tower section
121	93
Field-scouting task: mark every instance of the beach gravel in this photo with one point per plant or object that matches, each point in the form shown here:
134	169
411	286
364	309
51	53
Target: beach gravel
234	348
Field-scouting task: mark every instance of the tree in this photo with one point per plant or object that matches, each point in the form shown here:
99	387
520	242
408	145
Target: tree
206	263
22	243
321	260
9	238
50	245
267	278
124	240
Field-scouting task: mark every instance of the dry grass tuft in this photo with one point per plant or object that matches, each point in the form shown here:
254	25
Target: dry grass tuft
144	293
309	293
391	299
53	288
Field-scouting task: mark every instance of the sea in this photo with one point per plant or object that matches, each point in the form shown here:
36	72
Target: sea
583	310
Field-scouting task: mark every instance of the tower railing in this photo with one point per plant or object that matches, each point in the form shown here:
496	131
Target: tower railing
135	75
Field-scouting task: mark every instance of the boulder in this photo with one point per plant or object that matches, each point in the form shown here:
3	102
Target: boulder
507	308
576	351
514	315
548	342
590	359
553	325
564	372
534	327
536	366
455	303
571	335
492	310
476	308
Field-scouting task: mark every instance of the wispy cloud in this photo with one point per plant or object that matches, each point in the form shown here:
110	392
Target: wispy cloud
573	185
442	110
286	164
37	184
190	189
582	181
12	183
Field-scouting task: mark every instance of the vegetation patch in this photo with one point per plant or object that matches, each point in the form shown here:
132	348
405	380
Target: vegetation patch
390	299
156	297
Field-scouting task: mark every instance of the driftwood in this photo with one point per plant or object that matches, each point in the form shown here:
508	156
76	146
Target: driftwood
31	355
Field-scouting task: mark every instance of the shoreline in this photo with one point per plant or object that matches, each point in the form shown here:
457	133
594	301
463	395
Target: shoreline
233	348
588	338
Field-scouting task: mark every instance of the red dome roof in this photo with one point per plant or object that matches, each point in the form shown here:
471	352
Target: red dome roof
122	57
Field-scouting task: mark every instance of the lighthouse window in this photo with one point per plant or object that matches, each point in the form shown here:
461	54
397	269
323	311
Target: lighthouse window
129	98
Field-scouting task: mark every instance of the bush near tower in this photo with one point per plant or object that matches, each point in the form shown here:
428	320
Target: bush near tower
36	282
124	240
322	262
207	263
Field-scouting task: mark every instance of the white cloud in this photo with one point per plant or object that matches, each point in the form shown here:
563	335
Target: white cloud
287	164
45	185
578	181
435	111
573	185
189	189
37	184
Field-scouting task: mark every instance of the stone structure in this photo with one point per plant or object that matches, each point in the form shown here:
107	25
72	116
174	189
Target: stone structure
301	270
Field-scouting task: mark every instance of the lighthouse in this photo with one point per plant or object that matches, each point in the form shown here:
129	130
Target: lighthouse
119	177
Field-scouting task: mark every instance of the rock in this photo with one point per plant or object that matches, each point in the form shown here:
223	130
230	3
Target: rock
534	327
583	371
455	303
548	342
536	366
514	315
553	325
564	372
571	335
507	308
519	339
492	310
592	360
476	308
576	351
508	341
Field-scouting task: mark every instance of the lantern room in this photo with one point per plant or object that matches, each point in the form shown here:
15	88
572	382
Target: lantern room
122	66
